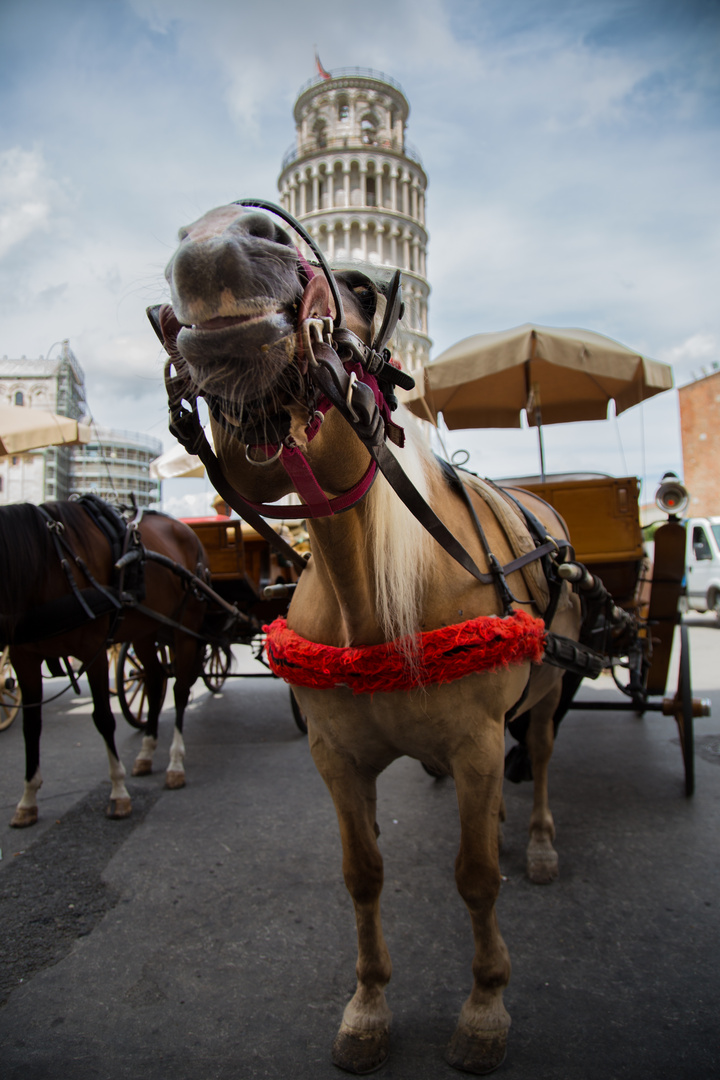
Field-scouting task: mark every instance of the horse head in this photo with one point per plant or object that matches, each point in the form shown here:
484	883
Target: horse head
245	309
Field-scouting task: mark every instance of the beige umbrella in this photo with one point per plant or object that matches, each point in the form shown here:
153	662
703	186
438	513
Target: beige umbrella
176	463
23	428
556	375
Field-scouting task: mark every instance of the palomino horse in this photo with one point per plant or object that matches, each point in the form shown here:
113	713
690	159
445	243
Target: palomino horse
41	618
374	639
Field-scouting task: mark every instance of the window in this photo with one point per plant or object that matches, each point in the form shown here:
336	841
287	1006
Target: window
368	130
701	544
319	133
343	109
19	398
370	189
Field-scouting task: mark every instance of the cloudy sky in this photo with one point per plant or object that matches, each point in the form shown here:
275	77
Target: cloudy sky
571	148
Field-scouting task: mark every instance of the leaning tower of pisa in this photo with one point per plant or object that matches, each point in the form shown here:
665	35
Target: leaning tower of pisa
359	188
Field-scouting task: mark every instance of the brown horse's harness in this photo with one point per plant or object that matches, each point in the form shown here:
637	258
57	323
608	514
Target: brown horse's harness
126	591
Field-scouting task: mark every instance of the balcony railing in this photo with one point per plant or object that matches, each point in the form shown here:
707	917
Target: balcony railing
352	72
350	142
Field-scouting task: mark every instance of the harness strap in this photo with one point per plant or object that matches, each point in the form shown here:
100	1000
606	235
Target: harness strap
369	428
56	530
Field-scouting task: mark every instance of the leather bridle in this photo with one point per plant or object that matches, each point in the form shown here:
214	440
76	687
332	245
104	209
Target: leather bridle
356	379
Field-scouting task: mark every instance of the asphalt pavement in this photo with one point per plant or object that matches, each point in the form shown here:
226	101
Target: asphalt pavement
210	935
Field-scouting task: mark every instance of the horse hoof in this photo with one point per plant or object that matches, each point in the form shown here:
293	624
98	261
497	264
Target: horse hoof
361	1052
119	808
142	767
24	816
542	866
174	780
479	1054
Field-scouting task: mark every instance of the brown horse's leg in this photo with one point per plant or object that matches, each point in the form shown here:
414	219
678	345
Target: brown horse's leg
187	668
154	674
29	675
478	1045
97	673
542	859
362	1042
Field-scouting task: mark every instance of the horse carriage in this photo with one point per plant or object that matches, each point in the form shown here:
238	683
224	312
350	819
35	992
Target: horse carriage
245	572
436	607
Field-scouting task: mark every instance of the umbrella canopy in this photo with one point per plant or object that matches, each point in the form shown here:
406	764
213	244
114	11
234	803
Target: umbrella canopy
176	463
557	375
23	428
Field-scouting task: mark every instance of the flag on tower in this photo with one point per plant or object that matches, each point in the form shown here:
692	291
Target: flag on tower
320	69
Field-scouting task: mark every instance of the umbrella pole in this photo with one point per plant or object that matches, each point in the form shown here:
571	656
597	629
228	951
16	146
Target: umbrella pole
538	422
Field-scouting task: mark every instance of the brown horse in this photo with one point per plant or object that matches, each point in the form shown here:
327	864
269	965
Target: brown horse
240	296
35	591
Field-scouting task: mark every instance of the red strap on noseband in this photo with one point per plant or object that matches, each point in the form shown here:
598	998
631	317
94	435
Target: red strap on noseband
293	460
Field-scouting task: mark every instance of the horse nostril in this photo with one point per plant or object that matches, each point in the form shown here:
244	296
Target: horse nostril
258	225
262	226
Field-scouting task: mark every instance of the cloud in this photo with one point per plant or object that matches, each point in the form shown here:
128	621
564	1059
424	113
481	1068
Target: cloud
697	355
27	195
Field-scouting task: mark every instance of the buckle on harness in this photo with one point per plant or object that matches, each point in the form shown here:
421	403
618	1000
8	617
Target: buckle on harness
319	330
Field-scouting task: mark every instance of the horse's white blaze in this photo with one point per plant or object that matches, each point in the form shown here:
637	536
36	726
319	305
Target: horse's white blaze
30	790
177	754
117	778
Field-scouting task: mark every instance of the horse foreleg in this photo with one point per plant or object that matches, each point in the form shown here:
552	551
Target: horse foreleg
542	859
154	678
479	1042
175	772
29	675
120	805
188	659
362	1043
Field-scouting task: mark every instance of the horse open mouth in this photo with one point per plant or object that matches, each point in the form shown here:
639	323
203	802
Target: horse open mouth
225	320
243	355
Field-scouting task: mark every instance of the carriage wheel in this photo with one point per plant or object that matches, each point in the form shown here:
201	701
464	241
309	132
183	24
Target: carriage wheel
216	665
684	712
298	715
10	696
130	684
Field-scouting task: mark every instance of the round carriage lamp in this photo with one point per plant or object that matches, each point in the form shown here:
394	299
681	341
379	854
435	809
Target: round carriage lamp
672	496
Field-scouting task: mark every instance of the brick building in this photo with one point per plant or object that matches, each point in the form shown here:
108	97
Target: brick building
700	429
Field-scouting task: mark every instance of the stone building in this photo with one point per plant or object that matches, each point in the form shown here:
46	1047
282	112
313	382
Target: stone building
114	465
359	188
700	431
57	385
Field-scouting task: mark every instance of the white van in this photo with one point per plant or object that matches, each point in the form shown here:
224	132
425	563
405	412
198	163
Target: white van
702	563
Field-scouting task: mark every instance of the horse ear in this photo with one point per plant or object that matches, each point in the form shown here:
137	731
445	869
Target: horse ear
393	312
153	314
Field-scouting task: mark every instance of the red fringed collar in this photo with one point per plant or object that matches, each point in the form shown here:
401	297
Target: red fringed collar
446	654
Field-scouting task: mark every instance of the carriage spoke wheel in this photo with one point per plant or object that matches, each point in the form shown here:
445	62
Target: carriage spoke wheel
684	712
131	686
216	665
10	696
298	714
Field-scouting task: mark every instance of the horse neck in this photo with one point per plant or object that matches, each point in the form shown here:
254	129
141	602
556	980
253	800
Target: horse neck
376	559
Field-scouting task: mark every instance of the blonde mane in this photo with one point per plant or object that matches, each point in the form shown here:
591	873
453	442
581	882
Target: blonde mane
400	549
